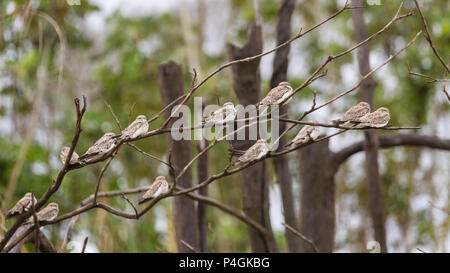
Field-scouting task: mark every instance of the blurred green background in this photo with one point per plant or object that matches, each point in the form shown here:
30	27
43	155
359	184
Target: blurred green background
111	51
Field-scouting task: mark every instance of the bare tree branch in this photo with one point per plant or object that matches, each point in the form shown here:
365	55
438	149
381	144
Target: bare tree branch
303	237
393	141
430	41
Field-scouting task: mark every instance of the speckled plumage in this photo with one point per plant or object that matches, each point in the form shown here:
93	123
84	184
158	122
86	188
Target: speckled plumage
23	205
222	115
306	134
137	128
158	187
48	213
255	152
105	144
65	152
377	119
278	95
354	113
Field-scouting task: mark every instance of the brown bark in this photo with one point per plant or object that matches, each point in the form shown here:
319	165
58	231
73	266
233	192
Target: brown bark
317	211
45	246
170	80
414	140
247	86
371	140
281	164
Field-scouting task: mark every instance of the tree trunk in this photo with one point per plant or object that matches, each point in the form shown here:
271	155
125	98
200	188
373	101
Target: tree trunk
170	80
317	202
371	140
281	164
247	86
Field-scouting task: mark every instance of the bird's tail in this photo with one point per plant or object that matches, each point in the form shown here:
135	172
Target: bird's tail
10	215
85	156
336	122
289	144
143	200
234	162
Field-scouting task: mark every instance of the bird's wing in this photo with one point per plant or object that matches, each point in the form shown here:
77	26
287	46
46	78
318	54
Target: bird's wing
380	118
17	209
155	186
132	127
253	152
302	134
273	95
354	112
366	118
44	214
150	192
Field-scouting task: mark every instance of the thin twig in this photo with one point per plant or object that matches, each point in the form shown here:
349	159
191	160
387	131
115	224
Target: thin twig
303	237
131	204
84	244
99	180
188	246
130	112
430	41
114	116
431	79
439	208
420	250
147	154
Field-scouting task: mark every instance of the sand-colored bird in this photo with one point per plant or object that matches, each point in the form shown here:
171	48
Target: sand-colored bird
23	205
105	144
137	128
376	119
278	95
63	155
158	187
306	134
222	115
354	113
255	152
48	213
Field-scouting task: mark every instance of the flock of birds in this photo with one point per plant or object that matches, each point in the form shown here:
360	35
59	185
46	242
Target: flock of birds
358	116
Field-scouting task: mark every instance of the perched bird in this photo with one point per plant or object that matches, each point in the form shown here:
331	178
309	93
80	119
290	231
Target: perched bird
105	144
278	95
255	152
138	127
63	155
23	205
46	214
306	134
158	187
354	113
222	115
377	119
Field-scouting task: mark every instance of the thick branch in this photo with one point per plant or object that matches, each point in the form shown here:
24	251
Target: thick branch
415	140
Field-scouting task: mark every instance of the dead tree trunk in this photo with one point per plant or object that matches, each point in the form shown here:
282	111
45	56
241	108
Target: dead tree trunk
284	178
371	139
317	211
170	80
247	86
